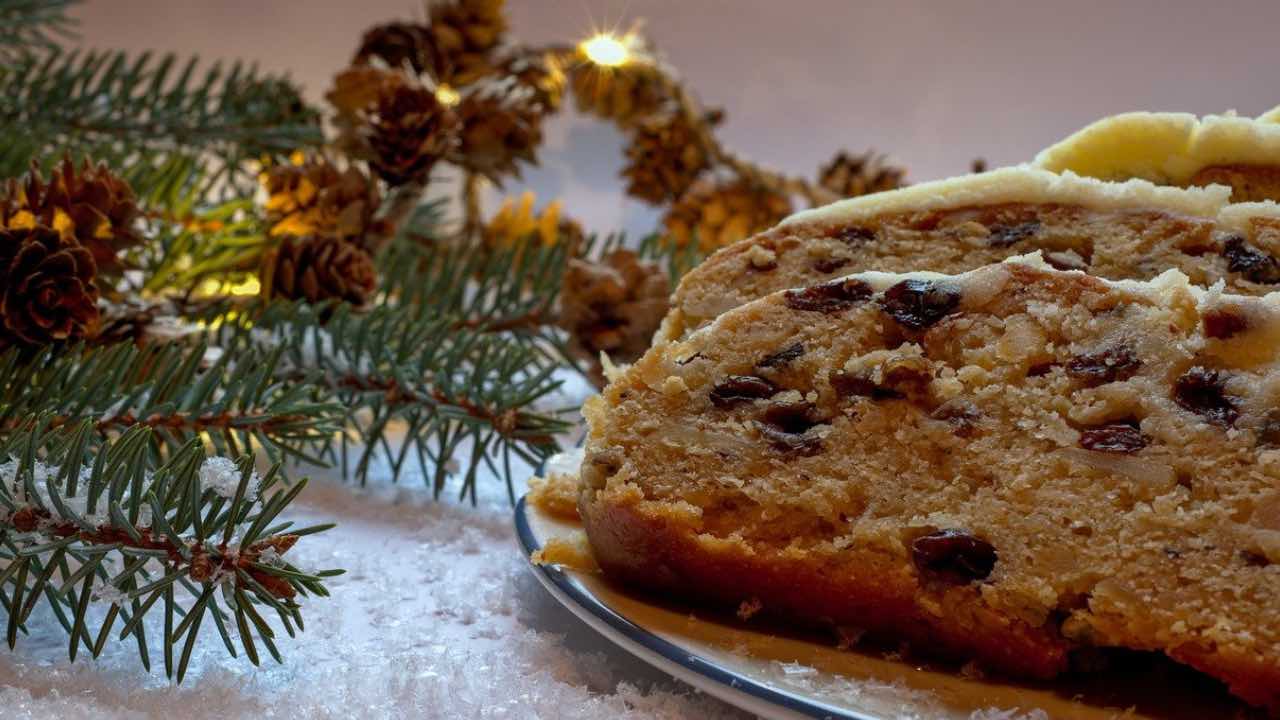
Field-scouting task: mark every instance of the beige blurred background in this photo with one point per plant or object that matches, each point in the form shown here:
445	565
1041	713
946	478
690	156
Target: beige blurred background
932	84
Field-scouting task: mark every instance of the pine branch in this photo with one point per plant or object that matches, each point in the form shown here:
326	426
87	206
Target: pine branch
150	116
231	402
392	368
113	526
27	25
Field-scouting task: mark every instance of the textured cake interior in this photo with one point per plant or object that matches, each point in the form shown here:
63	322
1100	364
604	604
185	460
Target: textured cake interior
1111	243
1098	462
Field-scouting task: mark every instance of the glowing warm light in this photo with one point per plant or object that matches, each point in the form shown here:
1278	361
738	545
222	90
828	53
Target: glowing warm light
250	286
606	49
214	287
447	96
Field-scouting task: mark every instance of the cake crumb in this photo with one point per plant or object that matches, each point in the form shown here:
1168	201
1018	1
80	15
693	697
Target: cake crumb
571	551
749	608
762	258
674	385
557	493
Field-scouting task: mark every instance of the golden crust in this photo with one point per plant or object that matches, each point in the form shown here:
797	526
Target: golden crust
641	547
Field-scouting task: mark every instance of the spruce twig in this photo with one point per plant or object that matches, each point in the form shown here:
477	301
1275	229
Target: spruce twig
117	527
393	367
34	24
232	403
155	117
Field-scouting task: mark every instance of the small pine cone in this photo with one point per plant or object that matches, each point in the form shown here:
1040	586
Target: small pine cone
666	155
613	306
396	44
462	37
716	215
854	175
316	269
89	204
406	132
47	289
357	88
624	94
315	198
500	126
541	74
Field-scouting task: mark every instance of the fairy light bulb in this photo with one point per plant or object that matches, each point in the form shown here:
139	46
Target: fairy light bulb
606	49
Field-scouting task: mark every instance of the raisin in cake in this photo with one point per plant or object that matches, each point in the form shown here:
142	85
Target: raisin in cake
1006	465
1177	149
1115	230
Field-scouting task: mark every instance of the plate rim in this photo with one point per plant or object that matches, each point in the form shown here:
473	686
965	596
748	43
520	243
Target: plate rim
656	651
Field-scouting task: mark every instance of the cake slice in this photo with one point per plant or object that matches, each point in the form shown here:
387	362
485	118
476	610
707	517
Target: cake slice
1130	230
1177	149
1006	465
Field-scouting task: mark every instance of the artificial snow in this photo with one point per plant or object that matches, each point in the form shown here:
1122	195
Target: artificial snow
222	476
438	616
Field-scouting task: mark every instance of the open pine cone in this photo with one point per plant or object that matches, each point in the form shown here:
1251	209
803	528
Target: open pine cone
454	47
666	155
316	269
406	132
613	306
396	44
540	73
47	288
623	94
720	214
463	36
88	203
315	198
501	124
850	175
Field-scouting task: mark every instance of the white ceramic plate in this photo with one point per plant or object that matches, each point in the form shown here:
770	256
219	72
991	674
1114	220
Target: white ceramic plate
779	675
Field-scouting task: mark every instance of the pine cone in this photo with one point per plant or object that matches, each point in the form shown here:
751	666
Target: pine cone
316	269
463	36
541	74
501	124
406	131
90	204
357	88
854	175
315	198
722	214
47	289
666	155
623	94
454	48
396	44
613	306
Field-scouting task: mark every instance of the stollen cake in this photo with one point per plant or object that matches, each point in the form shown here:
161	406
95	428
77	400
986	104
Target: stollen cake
1177	149
1007	465
1129	230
